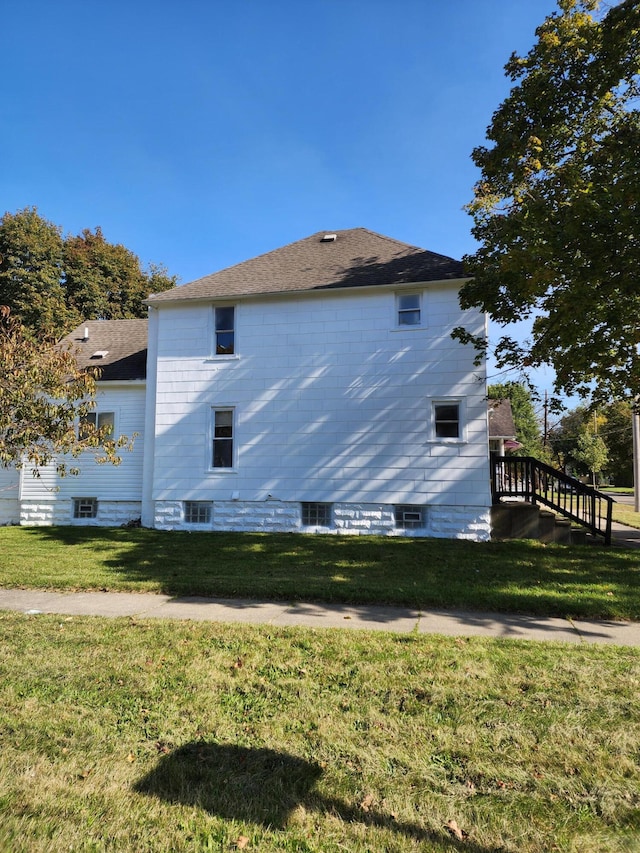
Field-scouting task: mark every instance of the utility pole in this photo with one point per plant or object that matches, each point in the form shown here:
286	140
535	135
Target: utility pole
546	419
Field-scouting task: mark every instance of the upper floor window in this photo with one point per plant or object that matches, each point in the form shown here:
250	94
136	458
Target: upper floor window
102	421
222	438
409	312
225	330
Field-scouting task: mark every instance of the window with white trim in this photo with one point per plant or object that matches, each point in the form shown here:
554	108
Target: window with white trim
316	514
197	512
224	321
97	421
222	454
409	309
85	508
409	516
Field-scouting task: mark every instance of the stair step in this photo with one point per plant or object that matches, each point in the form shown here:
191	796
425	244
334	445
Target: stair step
521	520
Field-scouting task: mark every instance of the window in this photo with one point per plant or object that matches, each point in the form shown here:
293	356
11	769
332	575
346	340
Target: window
97	420
447	420
409	309
409	517
197	512
222	438
85	507
316	515
225	334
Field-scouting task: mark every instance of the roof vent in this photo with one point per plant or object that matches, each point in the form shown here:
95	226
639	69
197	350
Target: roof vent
329	238
101	353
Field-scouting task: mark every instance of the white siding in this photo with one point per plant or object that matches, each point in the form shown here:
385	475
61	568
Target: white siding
121	484
9	486
332	403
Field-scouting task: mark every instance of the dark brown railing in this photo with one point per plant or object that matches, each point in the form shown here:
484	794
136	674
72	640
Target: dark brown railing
528	478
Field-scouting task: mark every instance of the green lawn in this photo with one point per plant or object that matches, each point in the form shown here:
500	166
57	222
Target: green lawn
626	514
133	735
520	576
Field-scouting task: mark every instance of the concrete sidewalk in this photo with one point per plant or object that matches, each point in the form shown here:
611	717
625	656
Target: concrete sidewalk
370	617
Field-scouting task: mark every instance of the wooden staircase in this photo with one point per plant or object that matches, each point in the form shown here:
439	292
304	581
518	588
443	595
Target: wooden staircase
532	500
520	520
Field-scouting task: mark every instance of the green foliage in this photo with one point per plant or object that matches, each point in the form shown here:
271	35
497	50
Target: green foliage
557	209
591	451
31	264
618	435
104	280
524	415
42	395
614	431
52	283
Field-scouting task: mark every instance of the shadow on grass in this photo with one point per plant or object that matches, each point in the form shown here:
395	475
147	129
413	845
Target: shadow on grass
517	576
263	787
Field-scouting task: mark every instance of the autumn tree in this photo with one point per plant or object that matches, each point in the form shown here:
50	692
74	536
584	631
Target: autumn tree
556	208
43	394
52	282
105	280
591	451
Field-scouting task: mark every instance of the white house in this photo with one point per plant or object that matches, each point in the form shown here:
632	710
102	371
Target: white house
100	494
314	388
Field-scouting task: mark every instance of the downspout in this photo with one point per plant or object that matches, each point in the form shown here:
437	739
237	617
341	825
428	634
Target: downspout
148	464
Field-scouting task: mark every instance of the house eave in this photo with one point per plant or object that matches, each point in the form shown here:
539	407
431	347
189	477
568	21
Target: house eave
320	290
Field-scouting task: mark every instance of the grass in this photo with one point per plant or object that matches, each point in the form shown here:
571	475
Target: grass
523	576
625	514
125	735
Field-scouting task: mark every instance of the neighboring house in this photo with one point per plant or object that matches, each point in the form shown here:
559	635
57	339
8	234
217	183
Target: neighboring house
502	430
100	494
314	388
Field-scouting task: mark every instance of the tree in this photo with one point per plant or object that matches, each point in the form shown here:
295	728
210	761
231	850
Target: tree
105	280
618	435
556	209
524	415
31	251
563	437
43	394
52	283
591	451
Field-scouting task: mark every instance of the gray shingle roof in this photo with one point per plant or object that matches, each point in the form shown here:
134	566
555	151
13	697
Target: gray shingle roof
501	423
123	341
356	258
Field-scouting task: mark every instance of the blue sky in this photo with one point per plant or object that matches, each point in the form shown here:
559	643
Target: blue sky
200	134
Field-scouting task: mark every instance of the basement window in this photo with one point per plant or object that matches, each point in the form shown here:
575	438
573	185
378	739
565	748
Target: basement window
85	508
409	517
197	512
316	514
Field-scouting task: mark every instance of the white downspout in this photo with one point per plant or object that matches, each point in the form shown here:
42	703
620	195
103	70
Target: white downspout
148	464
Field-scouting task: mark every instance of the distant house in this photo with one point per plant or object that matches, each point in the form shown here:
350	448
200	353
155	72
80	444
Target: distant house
502	430
314	388
101	494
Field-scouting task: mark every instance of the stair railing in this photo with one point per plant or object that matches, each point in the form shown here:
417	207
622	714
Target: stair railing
539	483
